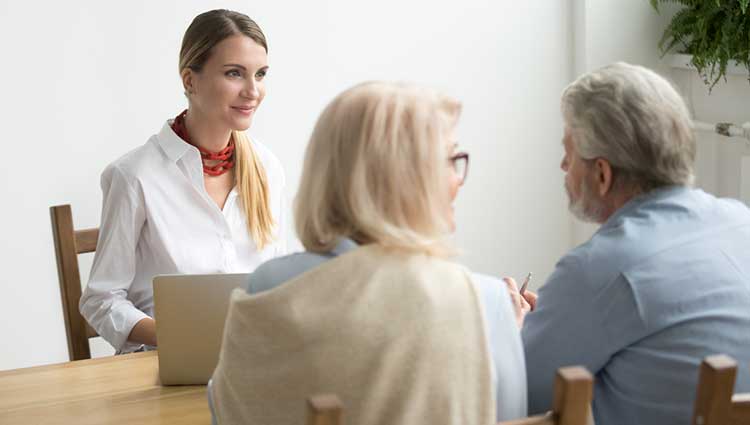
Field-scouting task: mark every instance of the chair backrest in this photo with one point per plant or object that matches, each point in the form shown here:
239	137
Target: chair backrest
572	402
573	391
325	409
715	401
68	244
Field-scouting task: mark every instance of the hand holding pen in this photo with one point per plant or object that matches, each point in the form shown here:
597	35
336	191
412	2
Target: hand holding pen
523	300
525	284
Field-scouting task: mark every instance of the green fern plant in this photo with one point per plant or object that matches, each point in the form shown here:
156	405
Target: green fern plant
715	32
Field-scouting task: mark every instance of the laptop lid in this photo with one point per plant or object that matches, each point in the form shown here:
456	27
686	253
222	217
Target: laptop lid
190	311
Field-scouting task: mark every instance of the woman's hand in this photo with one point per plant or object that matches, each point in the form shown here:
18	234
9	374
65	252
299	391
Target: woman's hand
522	304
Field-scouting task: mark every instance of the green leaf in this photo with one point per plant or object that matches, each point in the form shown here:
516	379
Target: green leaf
715	32
743	6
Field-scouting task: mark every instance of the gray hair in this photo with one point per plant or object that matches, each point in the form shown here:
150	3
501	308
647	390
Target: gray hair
636	120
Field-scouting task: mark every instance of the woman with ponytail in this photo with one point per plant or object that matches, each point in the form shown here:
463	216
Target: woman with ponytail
199	196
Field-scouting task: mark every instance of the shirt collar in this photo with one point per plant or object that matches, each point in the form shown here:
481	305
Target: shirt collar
172	144
638	200
345	245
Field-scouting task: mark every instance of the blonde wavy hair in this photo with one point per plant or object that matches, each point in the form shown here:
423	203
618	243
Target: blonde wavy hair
206	31
375	170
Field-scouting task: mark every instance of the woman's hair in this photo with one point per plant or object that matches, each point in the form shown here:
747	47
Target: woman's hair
206	31
376	168
636	120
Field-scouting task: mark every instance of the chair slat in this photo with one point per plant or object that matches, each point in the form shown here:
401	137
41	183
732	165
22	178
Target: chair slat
547	419
713	400
325	409
740	409
86	240
573	392
90	332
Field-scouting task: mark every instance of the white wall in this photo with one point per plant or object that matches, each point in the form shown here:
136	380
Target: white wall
84	82
722	163
607	31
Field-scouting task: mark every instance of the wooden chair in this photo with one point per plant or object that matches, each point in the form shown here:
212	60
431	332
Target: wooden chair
68	244
573	391
325	409
715	401
572	402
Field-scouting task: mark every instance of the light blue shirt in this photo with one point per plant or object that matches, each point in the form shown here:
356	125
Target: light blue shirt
504	340
662	284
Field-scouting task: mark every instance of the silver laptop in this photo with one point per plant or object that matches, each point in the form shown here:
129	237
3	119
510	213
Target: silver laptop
190	311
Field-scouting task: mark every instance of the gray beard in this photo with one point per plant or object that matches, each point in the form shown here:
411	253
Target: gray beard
588	207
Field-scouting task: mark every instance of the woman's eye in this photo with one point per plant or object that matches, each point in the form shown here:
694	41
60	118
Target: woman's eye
260	74
233	73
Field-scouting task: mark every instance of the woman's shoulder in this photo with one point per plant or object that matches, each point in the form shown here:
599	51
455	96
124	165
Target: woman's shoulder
276	271
454	278
134	162
417	261
405	264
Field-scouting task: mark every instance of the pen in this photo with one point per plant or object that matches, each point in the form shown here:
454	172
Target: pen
525	284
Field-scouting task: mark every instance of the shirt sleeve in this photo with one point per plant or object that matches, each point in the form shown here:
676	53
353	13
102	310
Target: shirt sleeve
563	330
104	302
505	347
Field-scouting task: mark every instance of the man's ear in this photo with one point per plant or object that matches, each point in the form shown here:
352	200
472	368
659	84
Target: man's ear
604	176
187	81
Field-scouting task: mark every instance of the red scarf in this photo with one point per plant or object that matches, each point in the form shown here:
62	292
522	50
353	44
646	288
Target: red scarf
225	156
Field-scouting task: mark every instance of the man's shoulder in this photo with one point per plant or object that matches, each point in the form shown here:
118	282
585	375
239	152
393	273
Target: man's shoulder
655	228
599	260
730	208
670	222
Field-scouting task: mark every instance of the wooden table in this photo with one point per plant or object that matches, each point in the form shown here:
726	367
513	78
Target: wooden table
110	390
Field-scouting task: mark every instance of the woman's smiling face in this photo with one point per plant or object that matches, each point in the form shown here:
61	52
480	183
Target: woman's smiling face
230	86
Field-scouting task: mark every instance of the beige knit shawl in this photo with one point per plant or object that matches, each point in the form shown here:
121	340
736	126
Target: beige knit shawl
398	337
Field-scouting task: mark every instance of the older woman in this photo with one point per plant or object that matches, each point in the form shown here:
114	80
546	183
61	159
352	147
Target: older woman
373	310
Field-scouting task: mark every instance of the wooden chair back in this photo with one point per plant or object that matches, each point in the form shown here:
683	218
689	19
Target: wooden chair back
325	409
572	400
715	401
68	244
573	392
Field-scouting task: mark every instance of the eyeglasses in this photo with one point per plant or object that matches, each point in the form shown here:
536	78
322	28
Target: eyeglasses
460	163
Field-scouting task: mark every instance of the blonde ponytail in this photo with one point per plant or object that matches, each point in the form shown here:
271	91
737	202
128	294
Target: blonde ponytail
206	31
252	186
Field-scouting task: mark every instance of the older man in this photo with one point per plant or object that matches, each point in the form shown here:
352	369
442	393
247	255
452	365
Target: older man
664	282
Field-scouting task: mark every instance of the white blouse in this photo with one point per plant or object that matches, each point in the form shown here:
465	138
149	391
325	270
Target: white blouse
157	218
